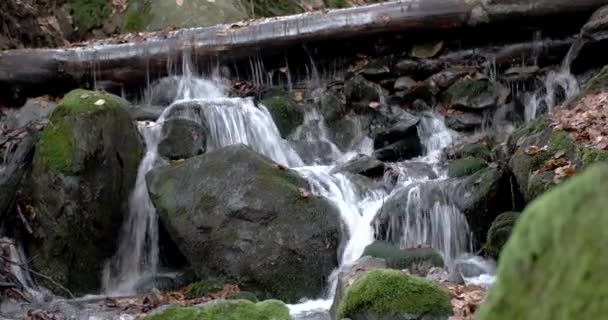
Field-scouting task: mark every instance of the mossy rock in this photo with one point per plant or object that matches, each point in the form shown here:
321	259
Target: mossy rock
337	4
228	310
391	294
474	94
465	167
499	233
476	150
83	173
553	266
273	8
138	16
90	14
244	295
203	288
418	260
286	113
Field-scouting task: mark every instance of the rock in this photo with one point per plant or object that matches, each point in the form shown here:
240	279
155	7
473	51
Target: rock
548	269
400	141
391	294
34	110
475	150
244	295
592	38
399	174
183	139
227	309
286	113
164	91
332	103
417	69
404	83
456	278
216	206
499	233
314	152
363	165
520	74
17	158
476	94
349	130
464	121
361	93
146	113
349	274
482	196
465	167
203	288
417	260
83	173
163	283
426	50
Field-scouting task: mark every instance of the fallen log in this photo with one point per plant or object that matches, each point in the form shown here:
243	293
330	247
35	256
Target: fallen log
135	59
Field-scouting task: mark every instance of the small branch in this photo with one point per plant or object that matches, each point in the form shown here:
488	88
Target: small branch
27	226
55	283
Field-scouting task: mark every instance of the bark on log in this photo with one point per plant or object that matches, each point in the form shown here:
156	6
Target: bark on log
27	73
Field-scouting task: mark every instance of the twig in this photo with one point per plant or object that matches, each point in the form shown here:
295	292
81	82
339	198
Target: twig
24	221
70	294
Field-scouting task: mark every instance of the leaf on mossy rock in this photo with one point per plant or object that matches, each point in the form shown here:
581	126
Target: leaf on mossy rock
587	122
564	172
532	150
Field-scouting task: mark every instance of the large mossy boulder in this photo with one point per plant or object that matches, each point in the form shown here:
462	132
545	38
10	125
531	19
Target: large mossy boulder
553	266
238	216
227	310
391	294
499	233
417	260
84	170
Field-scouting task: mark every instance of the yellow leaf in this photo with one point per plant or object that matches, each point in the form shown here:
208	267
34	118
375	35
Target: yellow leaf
100	102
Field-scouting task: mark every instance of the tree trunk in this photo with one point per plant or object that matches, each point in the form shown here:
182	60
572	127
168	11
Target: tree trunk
133	59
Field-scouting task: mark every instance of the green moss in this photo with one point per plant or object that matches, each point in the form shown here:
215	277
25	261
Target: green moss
230	310
57	141
560	142
273	8
338	4
553	266
138	16
599	81
244	295
285	112
90	14
203	288
592	155
402	259
480	151
499	233
465	167
391	292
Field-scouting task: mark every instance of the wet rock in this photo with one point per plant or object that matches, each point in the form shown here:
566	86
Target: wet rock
417	69
314	152
162	283
464	121
476	94
164	91
475	150
332	103
227	309
465	167
549	252
84	171
363	165
183	139
360	93
426	49
390	294
217	224
286	113
404	83
146	113
399	141
34	110
417	260
520	74
349	274
584	53
349	130
499	233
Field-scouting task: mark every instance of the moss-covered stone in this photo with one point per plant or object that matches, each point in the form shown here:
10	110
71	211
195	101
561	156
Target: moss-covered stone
476	150
337	4
203	288
465	167
228	310
499	233
83	173
273	8
591	155
90	14
553	266
244	295
393	293
473	94
286	113
414	259
139	14
598	82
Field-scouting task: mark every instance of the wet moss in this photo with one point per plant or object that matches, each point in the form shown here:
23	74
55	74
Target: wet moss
203	288
592	155
338	4
244	295
273	8
402	259
229	310
480	151
499	233
90	14
554	260
599	81
285	112
391	292
465	167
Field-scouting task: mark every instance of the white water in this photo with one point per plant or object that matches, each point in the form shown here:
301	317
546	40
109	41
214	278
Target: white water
560	86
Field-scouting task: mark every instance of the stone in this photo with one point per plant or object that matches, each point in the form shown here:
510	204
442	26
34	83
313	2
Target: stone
418	261
399	141
426	50
182	139
464	121
361	94
476	94
404	83
499	233
332	103
465	167
164	91
83	173
391	294
417	69
218	206
286	113
34	110
553	265
363	165
314	152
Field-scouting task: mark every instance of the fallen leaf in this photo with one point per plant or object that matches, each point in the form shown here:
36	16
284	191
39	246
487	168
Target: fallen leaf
559	154
84	96
304	193
100	102
374	104
179	2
